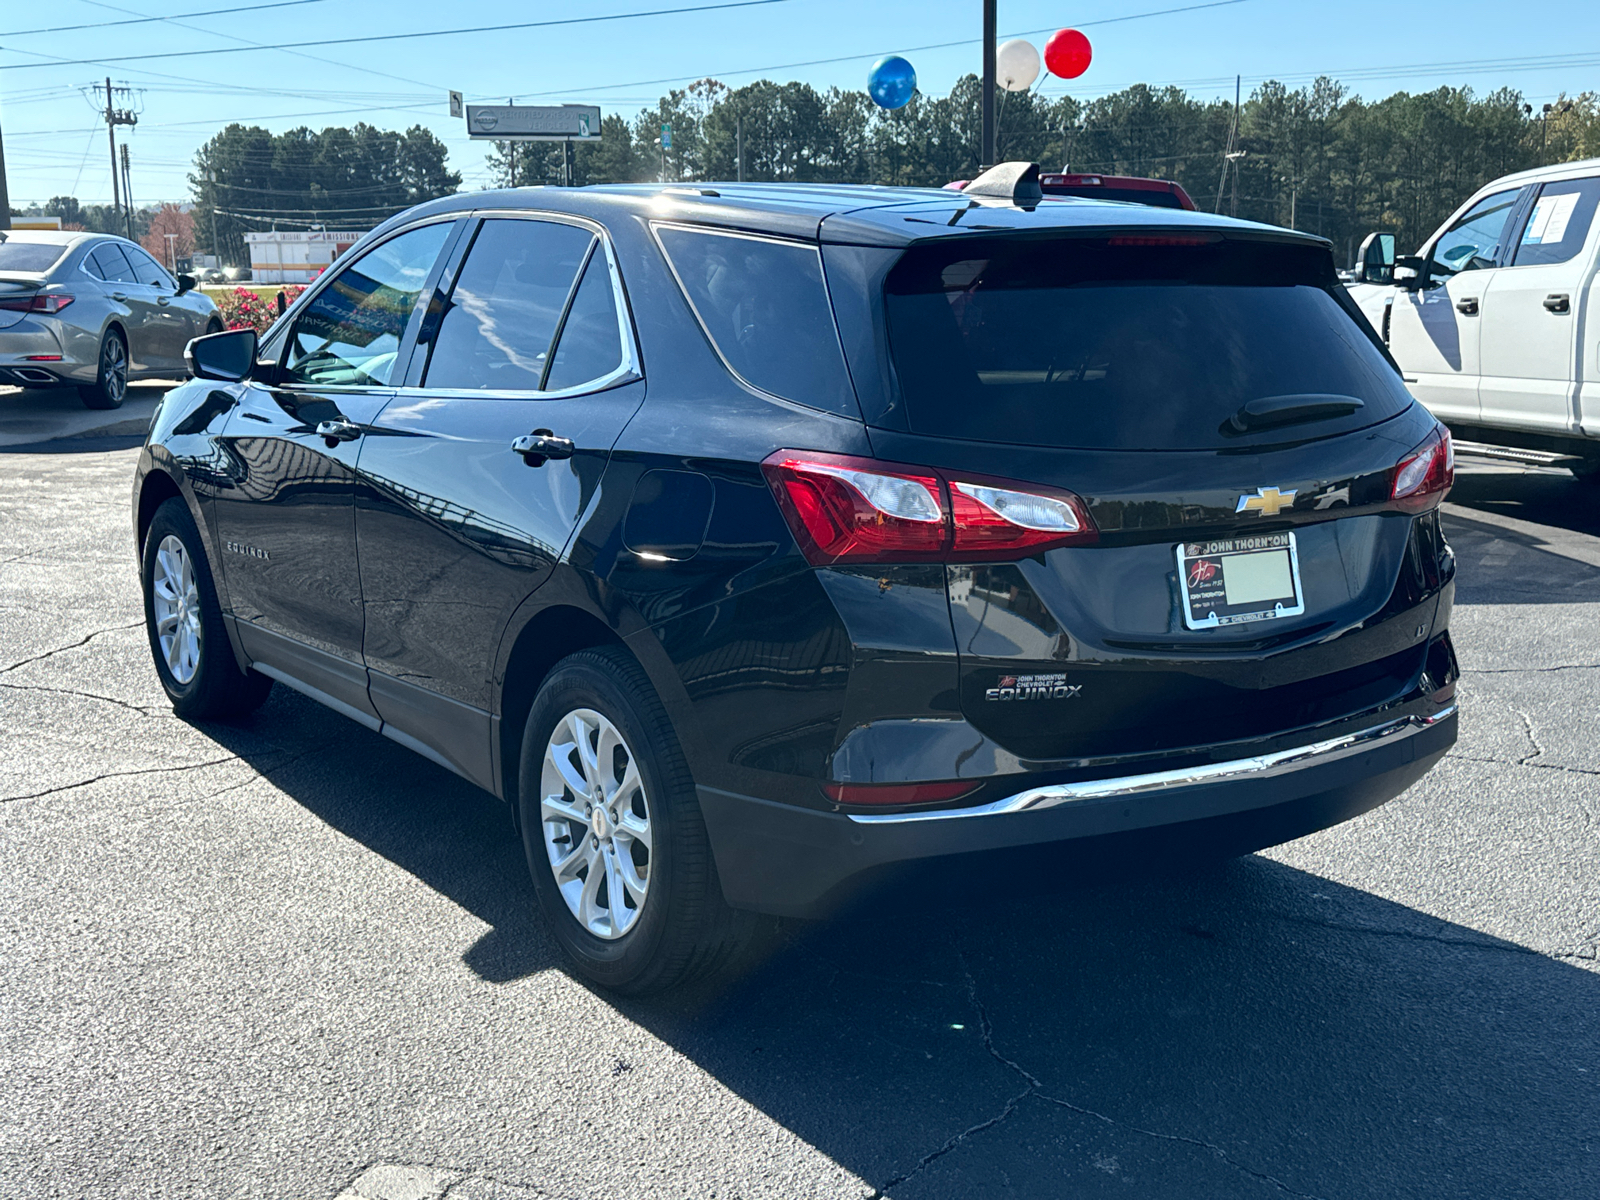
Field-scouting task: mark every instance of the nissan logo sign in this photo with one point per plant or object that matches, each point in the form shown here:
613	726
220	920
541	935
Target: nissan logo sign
486	120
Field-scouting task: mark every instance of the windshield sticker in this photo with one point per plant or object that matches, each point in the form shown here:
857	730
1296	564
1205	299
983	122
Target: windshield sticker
1550	219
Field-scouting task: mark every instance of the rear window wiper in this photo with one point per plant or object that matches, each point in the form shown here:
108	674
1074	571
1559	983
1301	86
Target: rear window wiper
1266	411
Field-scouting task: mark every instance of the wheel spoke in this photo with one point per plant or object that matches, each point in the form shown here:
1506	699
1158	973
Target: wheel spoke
559	757
622	792
589	900
628	870
556	807
165	623
620	916
634	828
567	867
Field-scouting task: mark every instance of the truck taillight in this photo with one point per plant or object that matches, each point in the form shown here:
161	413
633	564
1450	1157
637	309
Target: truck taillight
847	509
1422	478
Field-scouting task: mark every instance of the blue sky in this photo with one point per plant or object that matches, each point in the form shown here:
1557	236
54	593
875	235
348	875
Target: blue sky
56	144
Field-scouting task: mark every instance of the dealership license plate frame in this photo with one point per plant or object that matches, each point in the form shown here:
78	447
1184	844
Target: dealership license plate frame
1200	601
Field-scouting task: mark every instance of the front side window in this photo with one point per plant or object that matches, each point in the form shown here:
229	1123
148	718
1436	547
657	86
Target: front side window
765	307
350	334
1473	242
147	270
1559	223
506	306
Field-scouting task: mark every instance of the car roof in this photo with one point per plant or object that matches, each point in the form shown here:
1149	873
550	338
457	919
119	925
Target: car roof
853	214
1566	170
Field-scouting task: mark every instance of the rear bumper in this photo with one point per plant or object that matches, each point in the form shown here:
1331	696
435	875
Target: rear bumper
797	862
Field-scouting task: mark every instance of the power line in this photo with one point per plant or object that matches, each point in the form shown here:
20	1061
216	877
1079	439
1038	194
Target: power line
212	12
429	33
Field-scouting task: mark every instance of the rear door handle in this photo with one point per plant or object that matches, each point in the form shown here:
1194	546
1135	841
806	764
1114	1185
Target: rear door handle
163	300
540	445
1467	306
1558	302
334	432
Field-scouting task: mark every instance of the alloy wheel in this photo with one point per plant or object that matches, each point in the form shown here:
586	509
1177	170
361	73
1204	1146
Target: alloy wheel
114	369
596	823
175	600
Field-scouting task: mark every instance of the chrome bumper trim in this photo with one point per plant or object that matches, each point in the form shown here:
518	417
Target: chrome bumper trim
1262	765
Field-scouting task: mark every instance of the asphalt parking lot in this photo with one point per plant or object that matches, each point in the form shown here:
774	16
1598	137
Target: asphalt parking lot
286	958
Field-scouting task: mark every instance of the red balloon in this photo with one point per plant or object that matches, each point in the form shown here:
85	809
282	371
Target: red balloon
1067	53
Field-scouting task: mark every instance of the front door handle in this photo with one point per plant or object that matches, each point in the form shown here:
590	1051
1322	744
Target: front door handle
1467	306
334	432
163	300
1558	302
540	445
119	295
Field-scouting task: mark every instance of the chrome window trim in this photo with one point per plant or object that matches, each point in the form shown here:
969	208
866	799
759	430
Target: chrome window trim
1259	766
716	348
628	372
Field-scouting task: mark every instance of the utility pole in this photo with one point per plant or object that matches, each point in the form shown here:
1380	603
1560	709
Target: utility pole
989	24
172	251
127	192
216	247
5	195
118	116
738	133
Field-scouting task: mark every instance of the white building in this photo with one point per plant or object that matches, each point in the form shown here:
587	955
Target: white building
296	257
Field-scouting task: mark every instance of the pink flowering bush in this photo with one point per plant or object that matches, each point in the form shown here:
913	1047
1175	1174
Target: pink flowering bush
241	308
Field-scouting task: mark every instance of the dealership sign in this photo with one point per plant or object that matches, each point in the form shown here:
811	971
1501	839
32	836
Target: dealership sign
534	123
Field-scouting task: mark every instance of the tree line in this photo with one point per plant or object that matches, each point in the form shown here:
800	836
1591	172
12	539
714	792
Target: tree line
1315	157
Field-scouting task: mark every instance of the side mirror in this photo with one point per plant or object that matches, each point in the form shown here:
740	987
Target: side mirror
1375	263
185	284
228	356
1411	272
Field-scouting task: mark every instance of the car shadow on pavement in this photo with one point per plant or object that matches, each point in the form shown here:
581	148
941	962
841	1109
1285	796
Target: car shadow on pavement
1496	565
1067	1021
1546	497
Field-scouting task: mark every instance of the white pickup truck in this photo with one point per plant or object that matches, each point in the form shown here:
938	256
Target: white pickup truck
1489	321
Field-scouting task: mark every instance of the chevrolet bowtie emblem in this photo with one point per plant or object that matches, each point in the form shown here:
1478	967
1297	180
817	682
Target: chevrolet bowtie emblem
1266	501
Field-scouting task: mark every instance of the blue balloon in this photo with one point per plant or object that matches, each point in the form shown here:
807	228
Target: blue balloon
892	82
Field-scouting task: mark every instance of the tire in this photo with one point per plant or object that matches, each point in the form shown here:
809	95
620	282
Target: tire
111	374
201	677
681	929
1587	471
213	326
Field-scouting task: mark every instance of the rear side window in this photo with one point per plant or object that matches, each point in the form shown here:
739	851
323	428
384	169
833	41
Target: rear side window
1088	343
29	257
506	306
764	305
1559	223
590	346
112	265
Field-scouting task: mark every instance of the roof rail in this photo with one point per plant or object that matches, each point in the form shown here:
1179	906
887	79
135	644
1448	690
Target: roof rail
1014	181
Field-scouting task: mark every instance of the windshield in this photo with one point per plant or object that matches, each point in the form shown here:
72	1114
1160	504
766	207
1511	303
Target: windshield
1123	344
29	258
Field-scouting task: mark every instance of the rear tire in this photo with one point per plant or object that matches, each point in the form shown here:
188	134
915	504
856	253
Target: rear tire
110	387
1587	471
680	928
184	622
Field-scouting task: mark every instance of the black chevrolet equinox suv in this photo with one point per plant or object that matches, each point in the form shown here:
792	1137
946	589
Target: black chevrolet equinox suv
745	539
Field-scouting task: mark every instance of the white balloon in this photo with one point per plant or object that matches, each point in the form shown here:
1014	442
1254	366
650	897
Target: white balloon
1016	65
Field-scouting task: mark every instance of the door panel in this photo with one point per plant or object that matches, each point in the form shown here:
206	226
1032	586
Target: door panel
457	528
287	533
287	525
168	323
1531	312
123	287
1435	333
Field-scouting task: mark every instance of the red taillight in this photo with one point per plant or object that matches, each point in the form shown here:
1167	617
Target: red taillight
41	358
1160	240
899	793
1422	478
52	302
845	509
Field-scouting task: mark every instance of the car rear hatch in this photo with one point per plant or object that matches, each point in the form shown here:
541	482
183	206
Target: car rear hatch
1224	432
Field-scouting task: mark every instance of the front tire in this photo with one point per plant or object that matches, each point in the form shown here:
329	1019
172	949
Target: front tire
613	833
1587	471
184	621
110	387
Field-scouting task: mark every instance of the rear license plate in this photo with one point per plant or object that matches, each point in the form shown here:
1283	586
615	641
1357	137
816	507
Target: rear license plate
1230	581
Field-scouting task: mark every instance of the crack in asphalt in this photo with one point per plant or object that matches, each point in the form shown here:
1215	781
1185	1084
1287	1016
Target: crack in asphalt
83	641
1529	670
67	787
1036	1089
1524	762
1533	739
152	711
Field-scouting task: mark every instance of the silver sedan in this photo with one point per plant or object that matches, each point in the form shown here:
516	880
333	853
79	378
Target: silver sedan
92	311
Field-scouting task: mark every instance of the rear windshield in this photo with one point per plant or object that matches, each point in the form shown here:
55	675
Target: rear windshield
1123	344
29	257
